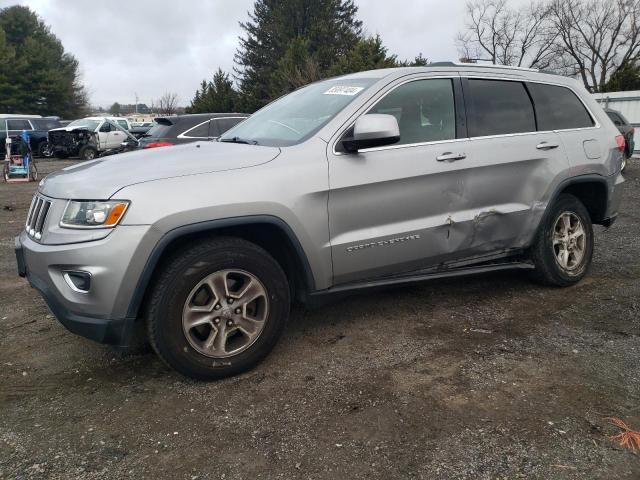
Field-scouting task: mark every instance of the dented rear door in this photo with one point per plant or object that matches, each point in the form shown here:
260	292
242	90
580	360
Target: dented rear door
511	166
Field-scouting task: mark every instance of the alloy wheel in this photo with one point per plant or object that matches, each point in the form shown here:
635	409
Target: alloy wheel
569	241
225	313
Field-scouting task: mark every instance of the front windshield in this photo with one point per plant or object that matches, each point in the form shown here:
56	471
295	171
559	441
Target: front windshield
83	122
295	117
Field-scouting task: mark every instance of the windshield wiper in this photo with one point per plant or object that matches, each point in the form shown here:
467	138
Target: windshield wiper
239	140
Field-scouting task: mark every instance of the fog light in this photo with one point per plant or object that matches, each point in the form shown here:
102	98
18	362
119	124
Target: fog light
78	281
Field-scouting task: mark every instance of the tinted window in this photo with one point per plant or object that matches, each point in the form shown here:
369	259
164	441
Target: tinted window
615	118
159	130
425	110
558	108
18	125
500	107
45	123
224	124
201	131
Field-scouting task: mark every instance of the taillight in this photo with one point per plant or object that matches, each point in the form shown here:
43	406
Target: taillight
620	142
157	144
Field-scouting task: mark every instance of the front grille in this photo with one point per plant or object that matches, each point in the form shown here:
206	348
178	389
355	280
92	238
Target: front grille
37	216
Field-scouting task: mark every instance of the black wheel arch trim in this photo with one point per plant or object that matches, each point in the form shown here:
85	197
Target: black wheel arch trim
213	225
587	178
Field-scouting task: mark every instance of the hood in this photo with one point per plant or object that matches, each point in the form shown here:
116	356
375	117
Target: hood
68	129
100	179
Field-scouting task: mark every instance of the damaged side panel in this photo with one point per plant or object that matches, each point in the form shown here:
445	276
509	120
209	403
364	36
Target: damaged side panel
507	186
400	210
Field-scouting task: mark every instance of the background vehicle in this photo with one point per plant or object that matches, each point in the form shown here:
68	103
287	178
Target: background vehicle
88	137
140	129
37	127
626	129
379	178
169	131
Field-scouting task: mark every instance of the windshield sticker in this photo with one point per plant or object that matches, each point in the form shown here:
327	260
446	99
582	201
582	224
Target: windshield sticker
343	90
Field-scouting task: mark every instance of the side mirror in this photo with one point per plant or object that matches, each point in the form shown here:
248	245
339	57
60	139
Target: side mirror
373	130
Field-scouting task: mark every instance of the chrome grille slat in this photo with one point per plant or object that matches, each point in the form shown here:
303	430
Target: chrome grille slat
37	216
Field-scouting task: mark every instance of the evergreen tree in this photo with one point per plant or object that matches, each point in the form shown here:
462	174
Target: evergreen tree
321	31
627	78
43	78
367	54
216	96
115	109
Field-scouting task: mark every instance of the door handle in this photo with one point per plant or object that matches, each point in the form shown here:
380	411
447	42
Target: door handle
547	146
451	157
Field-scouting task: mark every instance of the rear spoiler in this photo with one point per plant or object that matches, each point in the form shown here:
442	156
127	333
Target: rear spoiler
164	121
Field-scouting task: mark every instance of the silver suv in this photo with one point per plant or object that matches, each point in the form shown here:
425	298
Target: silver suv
371	179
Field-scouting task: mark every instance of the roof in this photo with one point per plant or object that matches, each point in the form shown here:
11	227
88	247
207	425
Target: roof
448	67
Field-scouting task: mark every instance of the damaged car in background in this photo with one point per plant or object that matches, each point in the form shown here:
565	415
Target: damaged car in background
89	138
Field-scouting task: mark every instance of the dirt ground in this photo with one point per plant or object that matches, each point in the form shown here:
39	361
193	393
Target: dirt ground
489	377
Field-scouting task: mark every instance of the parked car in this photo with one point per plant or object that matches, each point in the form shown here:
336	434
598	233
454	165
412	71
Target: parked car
169	131
140	130
35	125
627	131
378	178
88	137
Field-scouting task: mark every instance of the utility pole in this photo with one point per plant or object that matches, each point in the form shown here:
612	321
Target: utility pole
136	107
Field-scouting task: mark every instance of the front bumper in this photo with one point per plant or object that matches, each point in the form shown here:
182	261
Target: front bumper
100	314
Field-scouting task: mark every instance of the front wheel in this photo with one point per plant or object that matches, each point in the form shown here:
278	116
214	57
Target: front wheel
87	153
563	247
218	308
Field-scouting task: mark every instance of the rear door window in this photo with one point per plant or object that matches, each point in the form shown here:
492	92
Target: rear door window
199	131
425	110
18	125
558	108
499	107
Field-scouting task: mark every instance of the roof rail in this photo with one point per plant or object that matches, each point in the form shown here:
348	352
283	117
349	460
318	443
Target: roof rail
480	65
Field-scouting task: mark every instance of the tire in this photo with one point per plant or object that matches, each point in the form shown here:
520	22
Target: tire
43	150
547	254
174	294
87	153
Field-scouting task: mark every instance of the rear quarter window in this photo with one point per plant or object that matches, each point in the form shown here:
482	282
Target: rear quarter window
558	108
499	107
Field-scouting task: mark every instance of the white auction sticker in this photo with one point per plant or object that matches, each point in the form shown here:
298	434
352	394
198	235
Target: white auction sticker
344	90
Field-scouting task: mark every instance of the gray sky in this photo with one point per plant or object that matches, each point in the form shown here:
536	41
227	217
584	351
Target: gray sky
153	46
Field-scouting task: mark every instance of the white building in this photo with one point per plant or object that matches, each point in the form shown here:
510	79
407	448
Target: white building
627	103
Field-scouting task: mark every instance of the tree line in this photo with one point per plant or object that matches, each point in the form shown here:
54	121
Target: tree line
36	74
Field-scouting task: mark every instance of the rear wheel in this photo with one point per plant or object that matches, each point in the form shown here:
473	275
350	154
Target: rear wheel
563	247
218	308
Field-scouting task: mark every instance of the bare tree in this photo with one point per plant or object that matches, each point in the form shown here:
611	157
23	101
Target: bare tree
592	39
599	36
507	36
167	104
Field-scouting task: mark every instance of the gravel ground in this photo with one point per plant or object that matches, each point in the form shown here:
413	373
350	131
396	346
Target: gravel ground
488	377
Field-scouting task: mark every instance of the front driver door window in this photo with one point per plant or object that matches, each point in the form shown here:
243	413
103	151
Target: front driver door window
390	208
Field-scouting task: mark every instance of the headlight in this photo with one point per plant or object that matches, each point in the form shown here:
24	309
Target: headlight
93	214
